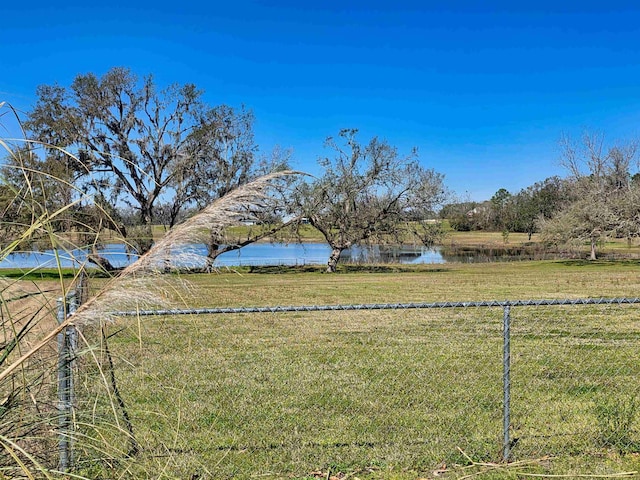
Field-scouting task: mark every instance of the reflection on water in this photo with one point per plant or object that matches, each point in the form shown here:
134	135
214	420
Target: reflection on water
455	254
266	254
393	254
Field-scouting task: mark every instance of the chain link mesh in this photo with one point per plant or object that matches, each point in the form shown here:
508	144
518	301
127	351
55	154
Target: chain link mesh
289	392
277	392
574	373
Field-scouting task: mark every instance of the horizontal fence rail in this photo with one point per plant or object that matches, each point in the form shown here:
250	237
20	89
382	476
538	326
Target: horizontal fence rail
379	306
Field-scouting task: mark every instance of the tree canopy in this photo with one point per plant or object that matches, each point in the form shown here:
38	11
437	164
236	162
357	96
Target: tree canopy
364	192
604	195
140	144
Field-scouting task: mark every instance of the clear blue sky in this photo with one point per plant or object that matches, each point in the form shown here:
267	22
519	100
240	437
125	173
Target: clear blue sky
483	89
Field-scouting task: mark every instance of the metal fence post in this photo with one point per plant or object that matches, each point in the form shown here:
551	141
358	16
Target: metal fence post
67	342
63	390
71	337
81	289
506	382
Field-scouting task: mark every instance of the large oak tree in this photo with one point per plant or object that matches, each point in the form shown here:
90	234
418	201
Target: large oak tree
141	145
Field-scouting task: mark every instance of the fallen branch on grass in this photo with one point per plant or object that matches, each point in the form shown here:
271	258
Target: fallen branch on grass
512	467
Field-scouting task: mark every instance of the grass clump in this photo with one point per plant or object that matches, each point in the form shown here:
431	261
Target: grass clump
617	422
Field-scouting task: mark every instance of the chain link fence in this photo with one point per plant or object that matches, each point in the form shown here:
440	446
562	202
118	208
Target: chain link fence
540	386
575	374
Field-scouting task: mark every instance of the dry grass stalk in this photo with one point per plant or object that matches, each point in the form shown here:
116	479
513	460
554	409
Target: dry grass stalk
137	286
513	468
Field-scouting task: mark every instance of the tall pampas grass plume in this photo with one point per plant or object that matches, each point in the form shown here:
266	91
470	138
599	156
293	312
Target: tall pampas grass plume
138	285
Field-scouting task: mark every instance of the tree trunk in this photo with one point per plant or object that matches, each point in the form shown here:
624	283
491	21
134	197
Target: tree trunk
333	259
213	250
100	261
594	241
145	242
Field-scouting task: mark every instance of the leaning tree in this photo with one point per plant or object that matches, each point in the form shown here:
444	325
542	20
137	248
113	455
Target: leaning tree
366	193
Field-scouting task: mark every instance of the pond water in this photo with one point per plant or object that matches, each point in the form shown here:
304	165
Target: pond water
257	254
269	254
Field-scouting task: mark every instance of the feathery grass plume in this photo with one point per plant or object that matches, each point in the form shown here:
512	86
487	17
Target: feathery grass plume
238	205
132	288
137	287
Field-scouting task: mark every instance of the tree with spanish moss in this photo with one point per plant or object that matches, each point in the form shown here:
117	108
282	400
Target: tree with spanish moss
142	145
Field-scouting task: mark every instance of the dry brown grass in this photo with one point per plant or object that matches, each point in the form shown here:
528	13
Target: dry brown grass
23	299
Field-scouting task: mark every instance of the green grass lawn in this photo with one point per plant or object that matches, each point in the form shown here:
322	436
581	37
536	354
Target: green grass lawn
419	283
384	394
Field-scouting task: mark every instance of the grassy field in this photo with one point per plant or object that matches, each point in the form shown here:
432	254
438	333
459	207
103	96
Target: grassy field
386	394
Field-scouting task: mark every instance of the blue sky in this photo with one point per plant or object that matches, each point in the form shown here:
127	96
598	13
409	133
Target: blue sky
483	89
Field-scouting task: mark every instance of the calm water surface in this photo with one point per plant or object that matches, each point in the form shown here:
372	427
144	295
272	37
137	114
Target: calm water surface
255	254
